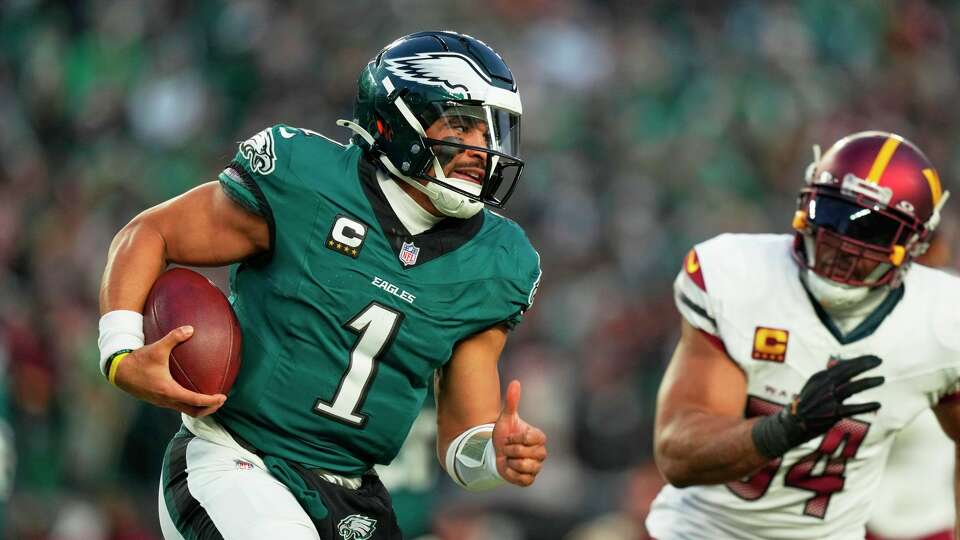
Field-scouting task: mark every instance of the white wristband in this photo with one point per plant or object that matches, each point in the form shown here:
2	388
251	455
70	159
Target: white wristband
119	330
471	460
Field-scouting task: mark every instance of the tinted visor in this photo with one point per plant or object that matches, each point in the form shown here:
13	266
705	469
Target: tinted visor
850	220
479	126
478	145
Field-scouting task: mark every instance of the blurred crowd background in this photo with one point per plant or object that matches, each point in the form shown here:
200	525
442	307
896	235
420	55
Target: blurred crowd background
647	127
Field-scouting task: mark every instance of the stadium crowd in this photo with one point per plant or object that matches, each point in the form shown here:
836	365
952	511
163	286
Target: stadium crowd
648	126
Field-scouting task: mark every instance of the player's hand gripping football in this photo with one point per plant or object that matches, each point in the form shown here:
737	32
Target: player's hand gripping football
145	374
818	407
521	448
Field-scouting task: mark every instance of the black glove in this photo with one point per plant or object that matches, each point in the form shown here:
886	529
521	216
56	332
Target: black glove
818	407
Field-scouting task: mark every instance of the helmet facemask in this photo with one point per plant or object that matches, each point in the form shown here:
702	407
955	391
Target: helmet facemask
476	143
854	243
868	209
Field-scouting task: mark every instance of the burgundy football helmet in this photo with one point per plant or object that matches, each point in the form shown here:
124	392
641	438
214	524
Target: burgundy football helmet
868	208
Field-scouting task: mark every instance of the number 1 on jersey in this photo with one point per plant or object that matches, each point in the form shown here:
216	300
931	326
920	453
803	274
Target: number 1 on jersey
376	325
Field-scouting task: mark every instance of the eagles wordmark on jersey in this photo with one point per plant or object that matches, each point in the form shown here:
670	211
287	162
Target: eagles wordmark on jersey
744	292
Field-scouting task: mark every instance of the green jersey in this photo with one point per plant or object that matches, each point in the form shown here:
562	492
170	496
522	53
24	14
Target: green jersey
347	317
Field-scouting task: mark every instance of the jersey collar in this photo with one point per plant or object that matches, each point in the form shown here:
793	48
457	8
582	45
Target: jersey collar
865	328
444	237
414	217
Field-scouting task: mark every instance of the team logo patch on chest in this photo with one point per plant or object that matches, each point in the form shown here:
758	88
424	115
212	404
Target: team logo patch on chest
408	254
770	344
346	236
356	527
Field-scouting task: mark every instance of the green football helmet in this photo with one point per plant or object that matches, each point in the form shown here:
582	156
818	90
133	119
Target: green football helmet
434	98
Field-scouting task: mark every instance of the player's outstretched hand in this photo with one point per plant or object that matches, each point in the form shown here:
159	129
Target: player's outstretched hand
820	403
145	373
521	448
819	406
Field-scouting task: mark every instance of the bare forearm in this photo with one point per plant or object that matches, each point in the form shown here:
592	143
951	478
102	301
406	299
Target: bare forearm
136	258
468	387
453	422
696	448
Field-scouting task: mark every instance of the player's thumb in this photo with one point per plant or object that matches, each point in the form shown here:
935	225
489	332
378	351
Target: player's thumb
511	403
176	336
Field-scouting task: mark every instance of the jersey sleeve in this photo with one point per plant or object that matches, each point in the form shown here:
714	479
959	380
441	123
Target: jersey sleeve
694	302
523	288
257	170
278	174
260	165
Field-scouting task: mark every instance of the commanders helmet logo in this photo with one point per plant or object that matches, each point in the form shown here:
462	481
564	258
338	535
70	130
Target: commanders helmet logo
356	527
259	151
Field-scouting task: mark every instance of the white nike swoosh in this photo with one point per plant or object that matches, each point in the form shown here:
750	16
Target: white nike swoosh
286	134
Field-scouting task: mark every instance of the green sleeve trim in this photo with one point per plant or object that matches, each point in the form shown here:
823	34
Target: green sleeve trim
242	189
234	187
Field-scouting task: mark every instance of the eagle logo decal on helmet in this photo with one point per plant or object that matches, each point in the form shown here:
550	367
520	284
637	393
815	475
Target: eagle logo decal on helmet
450	70
356	527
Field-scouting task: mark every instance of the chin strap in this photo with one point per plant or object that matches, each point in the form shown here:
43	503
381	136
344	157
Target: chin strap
449	203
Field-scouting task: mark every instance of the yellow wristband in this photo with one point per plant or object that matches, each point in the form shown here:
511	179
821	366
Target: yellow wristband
113	366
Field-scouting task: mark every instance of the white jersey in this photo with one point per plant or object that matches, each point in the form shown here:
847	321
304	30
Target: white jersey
915	498
745	290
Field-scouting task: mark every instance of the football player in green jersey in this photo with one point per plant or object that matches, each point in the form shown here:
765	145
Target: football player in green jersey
363	270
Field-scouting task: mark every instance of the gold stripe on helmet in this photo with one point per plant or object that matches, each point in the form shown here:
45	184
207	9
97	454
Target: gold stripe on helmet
883	159
936	190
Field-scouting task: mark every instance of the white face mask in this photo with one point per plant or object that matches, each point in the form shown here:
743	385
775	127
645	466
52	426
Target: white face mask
832	295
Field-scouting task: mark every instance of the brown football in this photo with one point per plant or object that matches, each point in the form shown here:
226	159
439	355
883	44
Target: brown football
209	361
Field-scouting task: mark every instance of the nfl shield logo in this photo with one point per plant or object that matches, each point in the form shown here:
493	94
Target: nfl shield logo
408	253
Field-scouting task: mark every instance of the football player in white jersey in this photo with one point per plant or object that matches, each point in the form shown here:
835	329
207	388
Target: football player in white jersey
802	356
